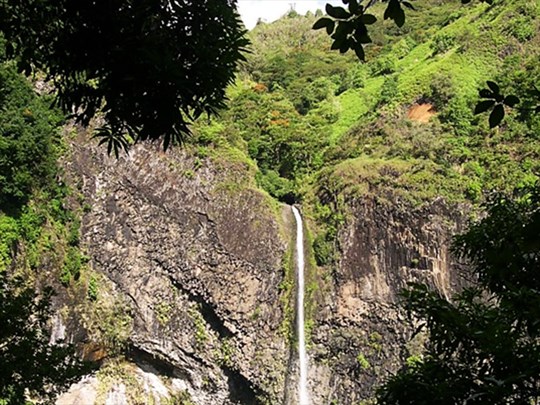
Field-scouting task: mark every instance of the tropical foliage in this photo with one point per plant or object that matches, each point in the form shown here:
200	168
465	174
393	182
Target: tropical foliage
149	67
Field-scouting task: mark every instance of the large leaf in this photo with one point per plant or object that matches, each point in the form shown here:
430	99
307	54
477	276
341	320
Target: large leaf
395	12
485	93
369	19
361	35
359	51
337	12
345	46
511	100
343	29
483	106
322	23
354	7
337	43
330	27
494	87
496	116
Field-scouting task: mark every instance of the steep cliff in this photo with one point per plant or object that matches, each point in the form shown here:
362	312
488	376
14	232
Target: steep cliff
195	254
361	334
194	271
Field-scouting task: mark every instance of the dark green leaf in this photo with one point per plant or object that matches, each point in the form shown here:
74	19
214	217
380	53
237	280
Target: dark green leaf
322	23
368	19
361	35
337	43
493	86
395	12
337	12
484	106
343	29
511	100
359	51
485	93
330	27
400	18
354	8
496	116
345	46
388	12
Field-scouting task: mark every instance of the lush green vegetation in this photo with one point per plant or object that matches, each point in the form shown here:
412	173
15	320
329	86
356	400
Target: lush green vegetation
37	234
302	112
324	128
28	141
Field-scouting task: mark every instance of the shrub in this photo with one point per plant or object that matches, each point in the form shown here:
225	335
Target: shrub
441	90
9	233
473	191
442	42
323	250
278	187
384	65
389	90
72	266
27	130
93	289
522	28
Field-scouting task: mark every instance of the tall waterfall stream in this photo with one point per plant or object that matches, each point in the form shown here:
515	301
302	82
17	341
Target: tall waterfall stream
303	397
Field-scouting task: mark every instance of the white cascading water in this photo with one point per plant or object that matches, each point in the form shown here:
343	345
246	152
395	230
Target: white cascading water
303	398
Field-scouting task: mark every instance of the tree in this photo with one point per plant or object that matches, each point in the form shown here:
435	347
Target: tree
28	130
484	345
148	66
29	365
349	27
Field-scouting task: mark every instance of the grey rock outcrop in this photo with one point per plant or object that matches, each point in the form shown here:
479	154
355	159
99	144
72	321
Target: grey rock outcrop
361	333
197	254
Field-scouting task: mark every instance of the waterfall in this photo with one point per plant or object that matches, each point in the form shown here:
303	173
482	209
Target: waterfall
303	398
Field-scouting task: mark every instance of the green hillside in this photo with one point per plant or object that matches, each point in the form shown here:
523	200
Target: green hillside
308	115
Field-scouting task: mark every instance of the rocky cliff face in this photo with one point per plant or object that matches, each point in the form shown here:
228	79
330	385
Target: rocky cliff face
190	257
361	334
196	254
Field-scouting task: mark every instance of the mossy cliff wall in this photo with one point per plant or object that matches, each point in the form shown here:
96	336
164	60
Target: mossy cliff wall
361	332
197	254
